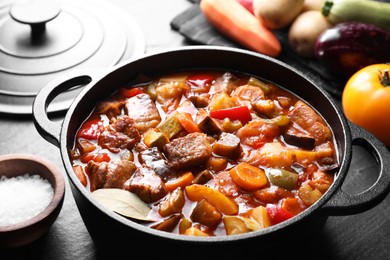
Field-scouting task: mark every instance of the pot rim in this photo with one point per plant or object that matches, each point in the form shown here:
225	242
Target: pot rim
344	156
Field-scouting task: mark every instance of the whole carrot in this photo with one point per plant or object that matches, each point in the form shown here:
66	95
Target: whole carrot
230	18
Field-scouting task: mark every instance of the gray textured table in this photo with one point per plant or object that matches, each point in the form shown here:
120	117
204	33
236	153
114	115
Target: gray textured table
361	236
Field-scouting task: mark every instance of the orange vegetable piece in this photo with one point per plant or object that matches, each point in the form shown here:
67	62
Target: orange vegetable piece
185	119
216	163
193	231
292	205
196	192
78	170
248	177
232	19
182	181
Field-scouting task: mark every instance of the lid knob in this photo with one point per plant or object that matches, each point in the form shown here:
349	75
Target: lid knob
36	13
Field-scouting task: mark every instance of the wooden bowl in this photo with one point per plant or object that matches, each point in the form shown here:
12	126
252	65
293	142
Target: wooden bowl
25	232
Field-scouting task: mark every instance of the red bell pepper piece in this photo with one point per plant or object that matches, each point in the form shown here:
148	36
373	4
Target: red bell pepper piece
96	157
130	92
90	129
199	80
277	214
241	113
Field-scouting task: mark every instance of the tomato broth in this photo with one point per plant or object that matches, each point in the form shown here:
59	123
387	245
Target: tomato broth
210	153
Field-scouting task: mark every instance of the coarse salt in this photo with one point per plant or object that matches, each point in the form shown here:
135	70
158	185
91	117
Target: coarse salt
23	197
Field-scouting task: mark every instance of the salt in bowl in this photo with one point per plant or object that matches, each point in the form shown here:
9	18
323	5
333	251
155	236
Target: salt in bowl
26	167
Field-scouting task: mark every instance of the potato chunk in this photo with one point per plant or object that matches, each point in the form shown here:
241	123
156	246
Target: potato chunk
224	204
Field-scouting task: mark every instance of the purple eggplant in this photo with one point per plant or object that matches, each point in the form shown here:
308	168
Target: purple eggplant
350	46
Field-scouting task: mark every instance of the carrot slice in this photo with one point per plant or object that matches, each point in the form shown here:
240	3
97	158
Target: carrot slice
78	170
248	177
182	181
187	123
230	18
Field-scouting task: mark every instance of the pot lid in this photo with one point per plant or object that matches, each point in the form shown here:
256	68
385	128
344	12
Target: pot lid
42	39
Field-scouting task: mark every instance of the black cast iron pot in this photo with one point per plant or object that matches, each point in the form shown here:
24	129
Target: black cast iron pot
113	233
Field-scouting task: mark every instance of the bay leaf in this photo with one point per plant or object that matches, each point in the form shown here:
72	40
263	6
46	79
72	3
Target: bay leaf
123	202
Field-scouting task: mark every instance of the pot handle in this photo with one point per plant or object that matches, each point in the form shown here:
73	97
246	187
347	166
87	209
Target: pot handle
48	129
346	204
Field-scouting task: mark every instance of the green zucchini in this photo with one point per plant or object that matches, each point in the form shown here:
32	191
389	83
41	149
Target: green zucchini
365	11
283	178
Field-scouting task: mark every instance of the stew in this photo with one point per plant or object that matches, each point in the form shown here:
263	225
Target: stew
211	153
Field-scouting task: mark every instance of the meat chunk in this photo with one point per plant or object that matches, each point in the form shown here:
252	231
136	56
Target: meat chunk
256	133
119	134
225	83
146	184
228	146
266	107
306	118
192	150
110	108
321	181
153	158
327	156
143	111
272	194
148	156
109	174
247	95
